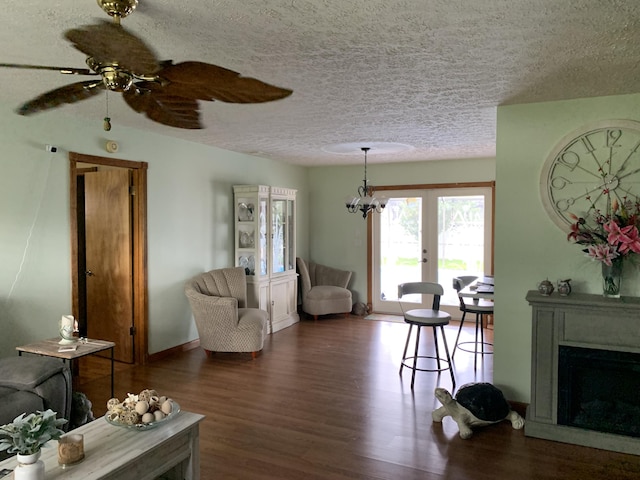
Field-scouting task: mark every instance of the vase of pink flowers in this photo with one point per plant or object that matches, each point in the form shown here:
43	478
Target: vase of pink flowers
609	238
612	278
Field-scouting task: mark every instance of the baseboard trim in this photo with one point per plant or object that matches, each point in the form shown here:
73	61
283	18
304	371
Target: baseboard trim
177	349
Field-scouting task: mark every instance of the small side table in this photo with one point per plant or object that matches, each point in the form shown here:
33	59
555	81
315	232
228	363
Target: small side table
50	347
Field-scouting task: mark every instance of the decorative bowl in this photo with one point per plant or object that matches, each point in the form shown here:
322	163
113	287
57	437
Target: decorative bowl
146	426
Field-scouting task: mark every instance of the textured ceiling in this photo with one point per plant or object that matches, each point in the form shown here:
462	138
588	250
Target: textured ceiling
424	73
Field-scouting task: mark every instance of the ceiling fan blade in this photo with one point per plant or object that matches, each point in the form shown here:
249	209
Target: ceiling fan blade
65	70
68	94
107	43
211	82
152	100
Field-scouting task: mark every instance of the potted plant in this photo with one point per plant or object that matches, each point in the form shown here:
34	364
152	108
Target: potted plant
26	435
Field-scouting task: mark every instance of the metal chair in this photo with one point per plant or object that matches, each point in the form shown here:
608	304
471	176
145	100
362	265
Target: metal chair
480	307
422	317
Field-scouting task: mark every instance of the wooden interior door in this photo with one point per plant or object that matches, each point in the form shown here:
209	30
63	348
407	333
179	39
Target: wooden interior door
109	265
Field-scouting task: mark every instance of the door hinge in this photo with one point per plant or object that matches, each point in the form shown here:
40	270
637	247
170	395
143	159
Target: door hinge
132	190
132	331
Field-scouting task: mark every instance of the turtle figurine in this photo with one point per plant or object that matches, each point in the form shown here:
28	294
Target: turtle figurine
475	405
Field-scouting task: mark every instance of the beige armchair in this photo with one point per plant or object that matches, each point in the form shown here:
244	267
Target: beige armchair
323	289
218	301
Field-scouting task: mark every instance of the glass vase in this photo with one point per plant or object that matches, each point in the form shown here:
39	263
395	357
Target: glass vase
612	278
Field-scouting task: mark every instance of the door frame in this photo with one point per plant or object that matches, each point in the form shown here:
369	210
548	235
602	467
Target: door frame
425	186
139	253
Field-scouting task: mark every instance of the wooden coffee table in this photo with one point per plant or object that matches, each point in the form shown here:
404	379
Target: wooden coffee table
169	451
51	347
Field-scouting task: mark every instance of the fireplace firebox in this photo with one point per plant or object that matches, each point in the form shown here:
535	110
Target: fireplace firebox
599	390
585	371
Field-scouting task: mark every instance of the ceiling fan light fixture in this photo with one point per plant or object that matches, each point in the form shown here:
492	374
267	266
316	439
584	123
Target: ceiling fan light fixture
116	80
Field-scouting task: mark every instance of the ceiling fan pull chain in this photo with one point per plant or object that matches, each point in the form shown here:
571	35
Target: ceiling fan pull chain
107	120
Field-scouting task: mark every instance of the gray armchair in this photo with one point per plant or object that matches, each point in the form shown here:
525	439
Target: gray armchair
323	289
218	301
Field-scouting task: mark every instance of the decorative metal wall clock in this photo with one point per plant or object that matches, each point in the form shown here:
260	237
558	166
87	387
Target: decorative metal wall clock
589	168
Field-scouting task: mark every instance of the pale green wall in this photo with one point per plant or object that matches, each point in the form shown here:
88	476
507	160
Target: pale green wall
189	219
190	227
339	238
529	247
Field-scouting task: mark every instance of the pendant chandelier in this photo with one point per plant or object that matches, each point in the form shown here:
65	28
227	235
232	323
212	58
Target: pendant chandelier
365	202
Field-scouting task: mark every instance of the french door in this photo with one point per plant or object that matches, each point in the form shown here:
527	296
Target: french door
430	235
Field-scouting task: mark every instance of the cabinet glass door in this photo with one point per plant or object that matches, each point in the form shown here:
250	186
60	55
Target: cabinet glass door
262	228
278	230
245	234
290	236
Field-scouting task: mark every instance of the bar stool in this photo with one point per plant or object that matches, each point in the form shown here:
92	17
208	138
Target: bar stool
422	317
479	307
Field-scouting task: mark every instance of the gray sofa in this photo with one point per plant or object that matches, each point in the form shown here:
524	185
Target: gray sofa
30	383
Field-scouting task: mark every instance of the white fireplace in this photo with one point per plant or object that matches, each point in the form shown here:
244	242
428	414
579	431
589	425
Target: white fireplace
585	371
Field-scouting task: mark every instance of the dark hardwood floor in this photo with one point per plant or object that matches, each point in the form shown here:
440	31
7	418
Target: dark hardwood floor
324	400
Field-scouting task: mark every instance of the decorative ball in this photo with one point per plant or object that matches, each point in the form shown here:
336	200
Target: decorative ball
167	406
148	417
144	395
142	407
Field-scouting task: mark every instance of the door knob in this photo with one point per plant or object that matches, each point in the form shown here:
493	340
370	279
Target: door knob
89	273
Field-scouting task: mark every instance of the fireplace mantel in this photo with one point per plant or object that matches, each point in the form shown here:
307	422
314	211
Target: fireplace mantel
577	320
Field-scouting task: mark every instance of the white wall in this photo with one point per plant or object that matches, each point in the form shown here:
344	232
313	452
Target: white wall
529	247
190	224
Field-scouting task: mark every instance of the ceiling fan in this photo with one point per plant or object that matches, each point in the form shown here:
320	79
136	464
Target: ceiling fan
165	92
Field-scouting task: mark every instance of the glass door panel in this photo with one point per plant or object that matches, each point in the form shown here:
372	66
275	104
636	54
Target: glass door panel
463	238
400	255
